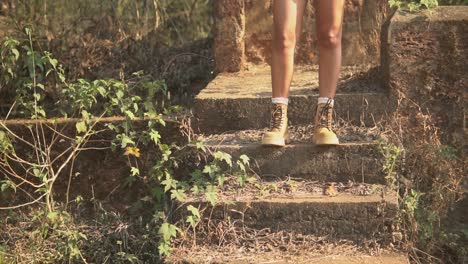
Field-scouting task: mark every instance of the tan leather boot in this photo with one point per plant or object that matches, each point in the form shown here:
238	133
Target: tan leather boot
323	133
278	134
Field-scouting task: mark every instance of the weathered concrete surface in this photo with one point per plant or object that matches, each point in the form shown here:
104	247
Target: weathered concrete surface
229	46
361	32
236	101
425	56
358	162
347	216
206	256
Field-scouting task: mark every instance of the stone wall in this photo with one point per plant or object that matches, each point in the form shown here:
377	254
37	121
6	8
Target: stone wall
425	56
425	60
243	33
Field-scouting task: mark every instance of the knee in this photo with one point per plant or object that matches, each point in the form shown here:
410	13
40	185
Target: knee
284	40
329	38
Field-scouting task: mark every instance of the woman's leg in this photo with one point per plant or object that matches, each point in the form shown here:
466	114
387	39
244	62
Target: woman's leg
287	17
329	15
287	20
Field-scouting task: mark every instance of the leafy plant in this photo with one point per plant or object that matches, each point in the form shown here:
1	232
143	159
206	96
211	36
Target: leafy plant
391	154
93	108
39	161
413	5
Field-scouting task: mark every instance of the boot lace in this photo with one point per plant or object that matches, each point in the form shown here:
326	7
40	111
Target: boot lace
326	115
276	118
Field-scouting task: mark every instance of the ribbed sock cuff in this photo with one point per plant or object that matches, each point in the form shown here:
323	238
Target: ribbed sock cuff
324	100
280	100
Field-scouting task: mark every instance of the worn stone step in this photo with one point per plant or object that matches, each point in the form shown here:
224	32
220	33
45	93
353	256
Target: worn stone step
357	159
354	212
236	101
212	256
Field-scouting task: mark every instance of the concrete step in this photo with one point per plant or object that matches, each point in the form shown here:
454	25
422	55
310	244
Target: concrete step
354	212
212	255
357	159
237	101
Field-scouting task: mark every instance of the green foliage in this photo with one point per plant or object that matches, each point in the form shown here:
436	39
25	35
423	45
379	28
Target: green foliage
34	73
411	202
413	5
167	232
391	154
178	20
195	217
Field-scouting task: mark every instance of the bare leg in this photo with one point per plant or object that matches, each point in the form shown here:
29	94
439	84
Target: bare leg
329	15
287	17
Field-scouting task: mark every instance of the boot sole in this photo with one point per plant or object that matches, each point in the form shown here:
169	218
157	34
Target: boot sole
327	142
276	142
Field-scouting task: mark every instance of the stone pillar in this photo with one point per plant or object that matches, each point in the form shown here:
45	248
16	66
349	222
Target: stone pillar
229	35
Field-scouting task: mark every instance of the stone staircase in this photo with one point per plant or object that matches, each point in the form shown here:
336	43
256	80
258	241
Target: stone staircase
353	221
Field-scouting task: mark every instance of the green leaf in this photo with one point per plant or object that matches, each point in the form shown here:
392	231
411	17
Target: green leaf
85	114
130	115
164	248
212	170
81	127
135	171
37	96
241	166
126	141
28	31
16	53
212	197
53	62
7	184
241	179
119	94
211	194
167	231
221	179
155	136
37	172
40	86
102	91
194	211
200	146
245	159
52	215
224	157
178	195
169	183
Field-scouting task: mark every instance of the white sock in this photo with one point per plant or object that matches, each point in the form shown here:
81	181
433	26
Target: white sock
324	100
280	100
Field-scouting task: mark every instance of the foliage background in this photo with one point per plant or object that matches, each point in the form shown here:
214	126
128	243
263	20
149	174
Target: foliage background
167	39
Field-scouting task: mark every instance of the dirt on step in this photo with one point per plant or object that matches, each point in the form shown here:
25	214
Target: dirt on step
299	134
335	254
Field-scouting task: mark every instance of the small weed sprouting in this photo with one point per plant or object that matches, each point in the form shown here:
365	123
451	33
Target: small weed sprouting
391	154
